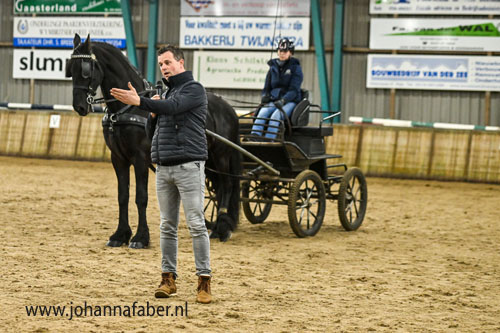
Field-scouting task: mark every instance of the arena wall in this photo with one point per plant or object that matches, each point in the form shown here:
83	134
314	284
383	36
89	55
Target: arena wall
379	151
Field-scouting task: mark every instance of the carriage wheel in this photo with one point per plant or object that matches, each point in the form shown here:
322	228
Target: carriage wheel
210	208
306	204
256	212
352	199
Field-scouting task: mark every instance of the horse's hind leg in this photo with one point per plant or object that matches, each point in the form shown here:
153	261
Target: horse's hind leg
141	238
123	232
225	224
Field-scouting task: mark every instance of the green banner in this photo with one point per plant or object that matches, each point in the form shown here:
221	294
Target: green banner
473	30
58	7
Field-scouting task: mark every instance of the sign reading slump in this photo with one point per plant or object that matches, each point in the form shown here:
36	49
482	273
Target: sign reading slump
232	70
40	64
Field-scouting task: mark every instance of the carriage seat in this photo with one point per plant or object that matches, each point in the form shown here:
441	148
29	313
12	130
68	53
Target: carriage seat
309	138
300	114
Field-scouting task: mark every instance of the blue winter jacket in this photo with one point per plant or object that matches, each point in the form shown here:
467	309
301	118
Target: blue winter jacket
284	83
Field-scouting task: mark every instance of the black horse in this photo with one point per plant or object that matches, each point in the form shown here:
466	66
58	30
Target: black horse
95	64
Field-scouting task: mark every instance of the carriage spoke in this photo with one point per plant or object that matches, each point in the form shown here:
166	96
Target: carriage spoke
301	216
308	224
353	183
355	206
254	209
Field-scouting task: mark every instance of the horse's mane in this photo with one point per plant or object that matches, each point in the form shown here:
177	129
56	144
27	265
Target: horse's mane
116	61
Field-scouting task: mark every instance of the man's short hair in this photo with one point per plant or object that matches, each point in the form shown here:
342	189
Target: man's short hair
177	52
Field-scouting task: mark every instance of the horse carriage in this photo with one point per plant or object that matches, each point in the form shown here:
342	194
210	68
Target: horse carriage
290	170
293	169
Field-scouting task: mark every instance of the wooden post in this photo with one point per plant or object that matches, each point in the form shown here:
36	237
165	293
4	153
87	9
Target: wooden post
359	147
78	134
431	153
394	152
21	146
467	155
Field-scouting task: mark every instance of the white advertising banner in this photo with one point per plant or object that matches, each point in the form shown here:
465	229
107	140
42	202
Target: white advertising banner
49	31
436	7
40	64
232	70
245	8
435	34
242	32
433	72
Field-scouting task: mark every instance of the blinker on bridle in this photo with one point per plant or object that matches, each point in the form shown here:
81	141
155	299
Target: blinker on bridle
87	72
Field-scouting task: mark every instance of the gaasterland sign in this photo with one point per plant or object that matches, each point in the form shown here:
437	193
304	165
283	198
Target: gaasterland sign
48	31
436	7
232	70
242	32
433	72
58	7
435	34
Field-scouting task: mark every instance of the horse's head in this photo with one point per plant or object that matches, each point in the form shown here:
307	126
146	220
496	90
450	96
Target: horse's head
87	75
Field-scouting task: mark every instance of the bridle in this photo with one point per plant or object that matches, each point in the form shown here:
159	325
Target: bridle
89	65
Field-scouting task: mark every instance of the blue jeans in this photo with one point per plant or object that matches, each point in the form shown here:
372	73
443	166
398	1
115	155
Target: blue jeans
184	182
271	111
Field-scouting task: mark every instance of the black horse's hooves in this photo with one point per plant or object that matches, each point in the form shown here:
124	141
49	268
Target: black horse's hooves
226	237
137	245
222	238
114	243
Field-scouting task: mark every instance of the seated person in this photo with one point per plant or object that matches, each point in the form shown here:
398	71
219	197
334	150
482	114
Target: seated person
281	90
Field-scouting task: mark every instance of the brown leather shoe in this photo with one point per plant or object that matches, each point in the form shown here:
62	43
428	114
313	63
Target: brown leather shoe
204	291
167	286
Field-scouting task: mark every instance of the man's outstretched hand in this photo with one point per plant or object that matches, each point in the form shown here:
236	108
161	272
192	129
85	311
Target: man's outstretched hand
126	96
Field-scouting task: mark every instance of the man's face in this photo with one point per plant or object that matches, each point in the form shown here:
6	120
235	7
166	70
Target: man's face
284	54
169	66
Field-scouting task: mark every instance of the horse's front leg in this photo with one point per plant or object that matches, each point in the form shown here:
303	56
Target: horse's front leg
123	232
141	238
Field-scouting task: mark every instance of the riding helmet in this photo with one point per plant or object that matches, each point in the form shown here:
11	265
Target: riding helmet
286	45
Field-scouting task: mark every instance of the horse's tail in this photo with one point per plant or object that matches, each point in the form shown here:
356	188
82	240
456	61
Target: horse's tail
234	202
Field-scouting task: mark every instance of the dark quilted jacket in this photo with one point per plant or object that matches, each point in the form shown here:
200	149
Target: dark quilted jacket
179	127
284	83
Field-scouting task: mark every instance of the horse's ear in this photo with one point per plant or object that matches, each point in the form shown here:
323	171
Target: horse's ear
86	45
76	41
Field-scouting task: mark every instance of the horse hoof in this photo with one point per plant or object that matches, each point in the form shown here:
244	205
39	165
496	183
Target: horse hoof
136	245
214	235
226	237
114	243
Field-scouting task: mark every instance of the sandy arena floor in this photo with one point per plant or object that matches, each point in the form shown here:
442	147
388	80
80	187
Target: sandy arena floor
426	259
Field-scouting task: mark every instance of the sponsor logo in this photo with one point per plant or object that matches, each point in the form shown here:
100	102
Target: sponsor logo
197	5
22	26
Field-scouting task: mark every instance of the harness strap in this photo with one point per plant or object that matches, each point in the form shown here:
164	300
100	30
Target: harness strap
112	119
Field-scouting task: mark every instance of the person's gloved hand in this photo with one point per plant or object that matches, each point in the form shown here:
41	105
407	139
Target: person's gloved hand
279	103
265	99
